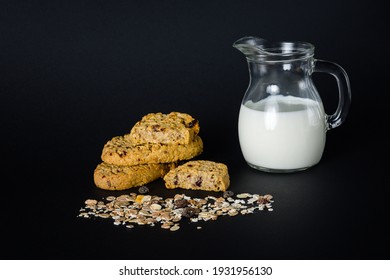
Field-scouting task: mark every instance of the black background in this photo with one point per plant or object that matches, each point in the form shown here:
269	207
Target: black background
73	74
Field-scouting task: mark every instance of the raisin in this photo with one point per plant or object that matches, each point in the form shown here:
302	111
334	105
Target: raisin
181	203
190	212
143	189
198	182
175	180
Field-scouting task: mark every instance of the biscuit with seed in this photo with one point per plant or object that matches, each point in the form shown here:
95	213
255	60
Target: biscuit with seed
159	128
115	177
199	175
121	151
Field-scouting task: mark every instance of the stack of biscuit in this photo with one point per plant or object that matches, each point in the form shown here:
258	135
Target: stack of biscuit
153	147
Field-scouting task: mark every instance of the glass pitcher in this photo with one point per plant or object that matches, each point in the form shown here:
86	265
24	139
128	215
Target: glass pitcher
282	123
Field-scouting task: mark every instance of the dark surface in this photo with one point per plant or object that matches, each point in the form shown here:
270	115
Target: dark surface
73	75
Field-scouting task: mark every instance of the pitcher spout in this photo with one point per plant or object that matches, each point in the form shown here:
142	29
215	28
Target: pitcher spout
251	46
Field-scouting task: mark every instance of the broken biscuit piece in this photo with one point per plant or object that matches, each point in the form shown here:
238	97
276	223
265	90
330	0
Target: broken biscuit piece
199	175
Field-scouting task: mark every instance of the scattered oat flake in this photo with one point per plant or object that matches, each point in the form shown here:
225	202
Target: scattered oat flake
91	202
175	228
243	195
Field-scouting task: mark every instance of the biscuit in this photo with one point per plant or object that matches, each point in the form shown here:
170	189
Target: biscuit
115	177
159	128
120	151
199	175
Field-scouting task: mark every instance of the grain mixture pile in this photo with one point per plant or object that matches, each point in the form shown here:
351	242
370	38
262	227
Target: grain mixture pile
142	209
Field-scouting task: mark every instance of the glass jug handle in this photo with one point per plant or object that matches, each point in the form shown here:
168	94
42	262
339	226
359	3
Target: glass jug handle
344	87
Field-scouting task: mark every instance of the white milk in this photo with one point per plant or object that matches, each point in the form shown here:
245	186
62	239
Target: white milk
282	132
